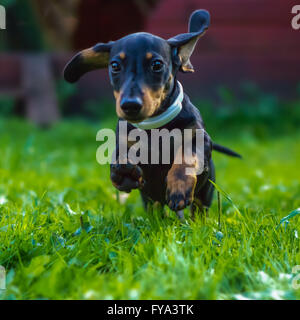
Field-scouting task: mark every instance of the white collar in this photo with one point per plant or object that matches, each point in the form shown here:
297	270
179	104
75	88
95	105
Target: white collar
165	117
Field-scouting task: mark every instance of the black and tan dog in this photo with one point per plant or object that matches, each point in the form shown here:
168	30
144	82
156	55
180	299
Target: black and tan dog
143	69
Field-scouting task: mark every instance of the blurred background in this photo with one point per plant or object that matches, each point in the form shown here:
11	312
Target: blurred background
250	50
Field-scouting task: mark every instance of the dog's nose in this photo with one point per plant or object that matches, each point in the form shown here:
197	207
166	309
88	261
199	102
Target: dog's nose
131	106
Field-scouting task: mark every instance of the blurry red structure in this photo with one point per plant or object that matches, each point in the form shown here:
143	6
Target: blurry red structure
248	41
110	20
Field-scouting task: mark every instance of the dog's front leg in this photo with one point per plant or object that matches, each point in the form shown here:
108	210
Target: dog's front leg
181	186
183	175
126	176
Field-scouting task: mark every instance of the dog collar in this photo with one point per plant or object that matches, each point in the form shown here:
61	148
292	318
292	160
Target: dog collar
165	117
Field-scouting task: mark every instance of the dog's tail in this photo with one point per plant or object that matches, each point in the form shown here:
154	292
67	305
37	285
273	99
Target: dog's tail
225	150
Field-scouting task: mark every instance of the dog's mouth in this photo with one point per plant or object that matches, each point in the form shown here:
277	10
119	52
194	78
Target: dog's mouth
133	119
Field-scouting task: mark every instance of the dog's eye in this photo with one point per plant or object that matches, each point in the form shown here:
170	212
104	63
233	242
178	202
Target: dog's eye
115	66
157	65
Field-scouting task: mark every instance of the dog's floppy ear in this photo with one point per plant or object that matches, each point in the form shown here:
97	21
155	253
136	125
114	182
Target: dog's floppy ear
93	58
184	44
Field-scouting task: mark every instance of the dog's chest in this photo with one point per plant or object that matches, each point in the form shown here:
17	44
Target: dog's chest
155	177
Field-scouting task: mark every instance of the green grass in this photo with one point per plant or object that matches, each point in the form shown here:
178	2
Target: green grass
66	234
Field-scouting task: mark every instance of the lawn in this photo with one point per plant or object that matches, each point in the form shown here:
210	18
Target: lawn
65	233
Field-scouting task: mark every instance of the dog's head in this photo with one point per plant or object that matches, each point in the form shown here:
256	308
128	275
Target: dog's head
142	67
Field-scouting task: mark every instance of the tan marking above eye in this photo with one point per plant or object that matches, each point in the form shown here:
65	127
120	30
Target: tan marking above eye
149	55
122	55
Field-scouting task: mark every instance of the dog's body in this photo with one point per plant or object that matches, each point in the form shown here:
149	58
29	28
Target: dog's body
143	71
159	177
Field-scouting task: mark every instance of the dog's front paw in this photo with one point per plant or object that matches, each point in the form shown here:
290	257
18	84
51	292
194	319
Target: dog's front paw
126	177
180	192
